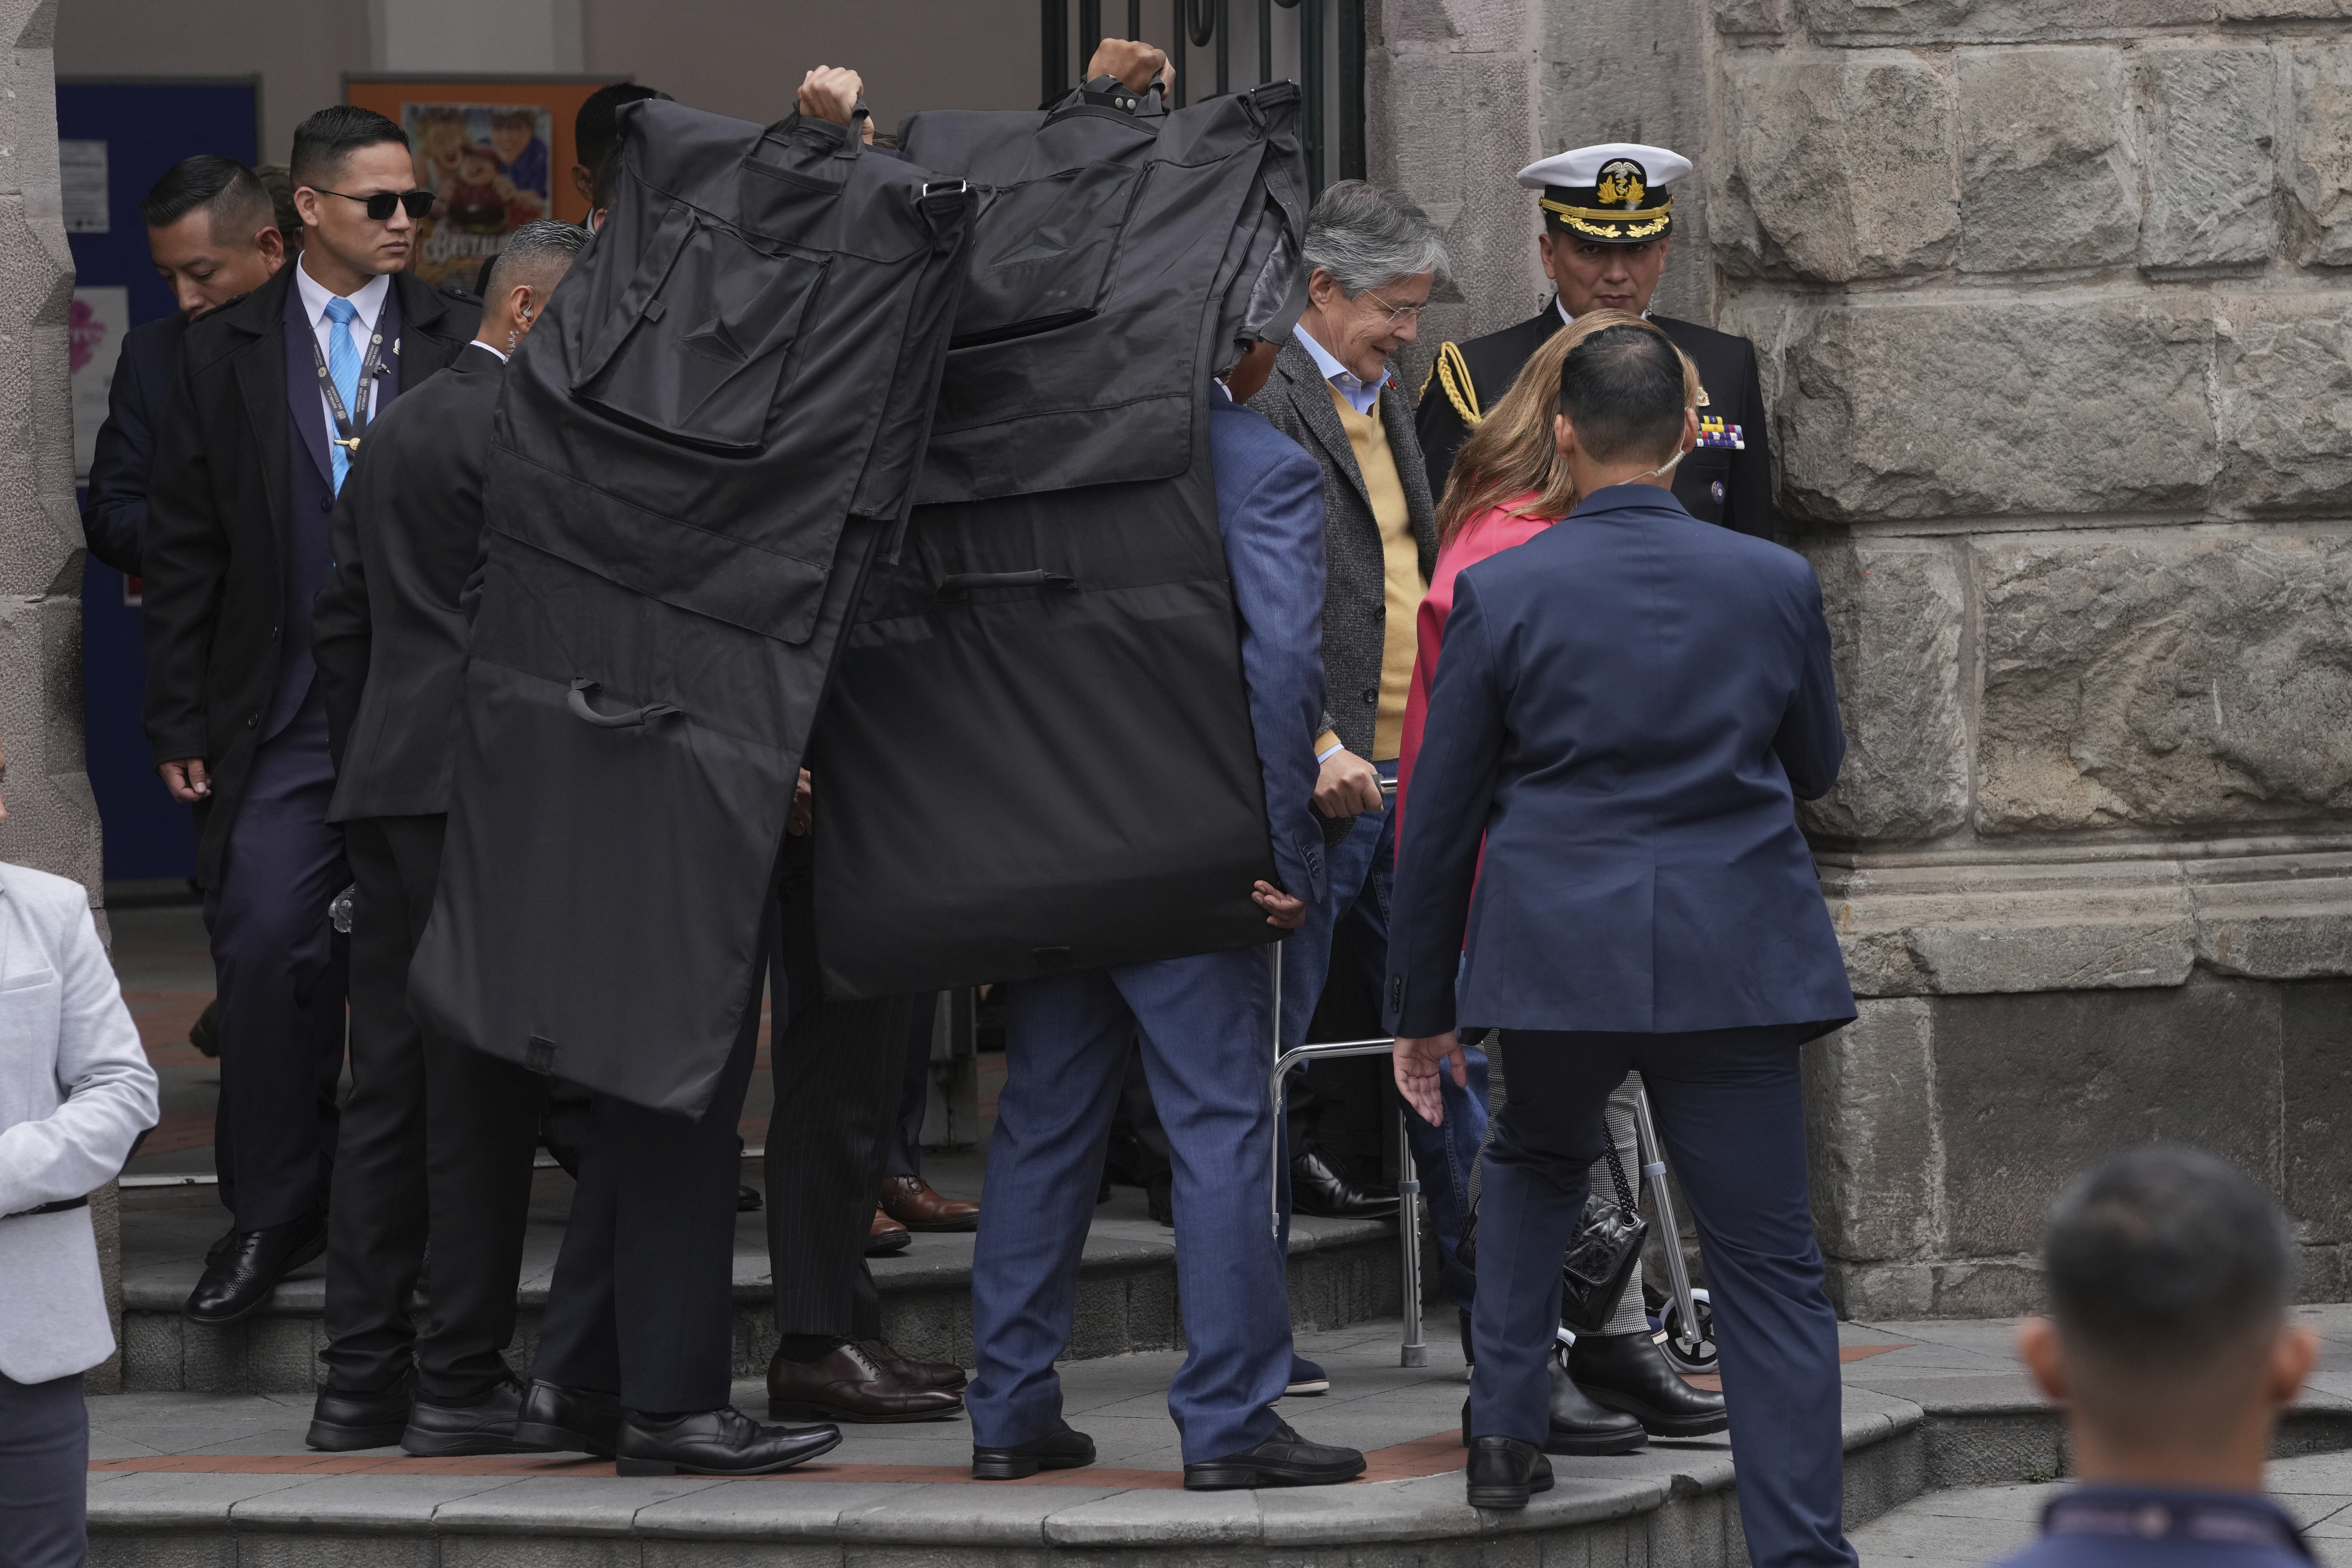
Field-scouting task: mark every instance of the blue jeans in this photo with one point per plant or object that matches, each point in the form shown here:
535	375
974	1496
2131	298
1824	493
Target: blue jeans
1362	869
1203	1024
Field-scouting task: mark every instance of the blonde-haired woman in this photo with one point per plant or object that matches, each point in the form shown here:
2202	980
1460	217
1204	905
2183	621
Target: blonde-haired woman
1508	484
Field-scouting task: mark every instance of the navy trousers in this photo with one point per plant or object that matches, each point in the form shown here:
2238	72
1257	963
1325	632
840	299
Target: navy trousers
44	1473
282	973
1731	1115
1206	1026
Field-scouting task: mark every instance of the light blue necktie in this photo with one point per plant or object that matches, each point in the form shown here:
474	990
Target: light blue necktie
343	365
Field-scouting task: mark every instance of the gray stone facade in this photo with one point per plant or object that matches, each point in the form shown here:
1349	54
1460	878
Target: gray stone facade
52	819
2055	330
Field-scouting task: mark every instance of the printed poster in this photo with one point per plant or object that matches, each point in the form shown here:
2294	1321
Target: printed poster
489	167
94	329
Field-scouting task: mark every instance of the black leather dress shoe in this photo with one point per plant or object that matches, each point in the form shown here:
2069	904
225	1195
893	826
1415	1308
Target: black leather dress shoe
1318	1190
1578	1424
1062	1450
442	1431
1630	1372
238	1279
1506	1472
341	1422
721	1442
559	1420
1285	1460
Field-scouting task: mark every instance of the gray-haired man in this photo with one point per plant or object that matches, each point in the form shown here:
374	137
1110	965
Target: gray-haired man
1375	257
435	1137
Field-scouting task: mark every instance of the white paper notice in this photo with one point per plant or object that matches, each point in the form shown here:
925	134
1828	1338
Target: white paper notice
81	170
93	343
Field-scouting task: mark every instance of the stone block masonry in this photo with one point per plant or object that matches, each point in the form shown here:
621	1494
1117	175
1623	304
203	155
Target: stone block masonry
2054	320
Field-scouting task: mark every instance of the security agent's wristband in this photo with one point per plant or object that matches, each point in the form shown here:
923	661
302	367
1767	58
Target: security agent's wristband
1112	93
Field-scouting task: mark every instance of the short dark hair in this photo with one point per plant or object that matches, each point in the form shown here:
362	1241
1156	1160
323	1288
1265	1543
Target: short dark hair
274	179
543	246
596	129
322	141
1623	390
2163	1258
238	202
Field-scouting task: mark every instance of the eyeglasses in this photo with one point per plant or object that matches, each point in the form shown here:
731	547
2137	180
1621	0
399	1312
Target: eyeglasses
1396	312
380	204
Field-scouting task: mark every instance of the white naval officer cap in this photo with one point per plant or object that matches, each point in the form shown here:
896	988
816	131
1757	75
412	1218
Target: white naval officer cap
1618	192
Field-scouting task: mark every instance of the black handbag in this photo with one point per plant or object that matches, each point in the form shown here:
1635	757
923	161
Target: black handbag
1600	1259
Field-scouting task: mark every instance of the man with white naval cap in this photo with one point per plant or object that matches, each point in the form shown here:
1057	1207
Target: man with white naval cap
1608	226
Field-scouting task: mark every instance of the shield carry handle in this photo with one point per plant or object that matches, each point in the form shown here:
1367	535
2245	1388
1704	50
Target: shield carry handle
961	584
582	710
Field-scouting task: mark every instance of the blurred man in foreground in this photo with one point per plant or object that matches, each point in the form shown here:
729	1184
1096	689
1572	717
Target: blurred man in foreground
2169	1348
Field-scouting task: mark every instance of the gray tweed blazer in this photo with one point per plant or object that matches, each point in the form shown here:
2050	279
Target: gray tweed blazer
1297	401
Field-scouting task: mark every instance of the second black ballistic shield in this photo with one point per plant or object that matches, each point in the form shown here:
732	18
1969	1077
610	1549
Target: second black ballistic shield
697	452
1037	754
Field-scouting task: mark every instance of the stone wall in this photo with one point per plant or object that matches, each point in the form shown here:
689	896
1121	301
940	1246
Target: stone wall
52	819
2057	334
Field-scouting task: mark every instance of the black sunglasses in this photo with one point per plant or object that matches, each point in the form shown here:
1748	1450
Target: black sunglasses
379	206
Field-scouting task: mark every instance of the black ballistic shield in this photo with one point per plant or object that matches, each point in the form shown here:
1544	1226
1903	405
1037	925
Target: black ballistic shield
1037	754
696	452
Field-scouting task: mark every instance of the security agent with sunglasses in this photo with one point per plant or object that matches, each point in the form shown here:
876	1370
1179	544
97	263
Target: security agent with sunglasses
273	388
1608	226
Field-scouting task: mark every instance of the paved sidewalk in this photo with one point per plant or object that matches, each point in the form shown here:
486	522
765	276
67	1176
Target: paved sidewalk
1975	1525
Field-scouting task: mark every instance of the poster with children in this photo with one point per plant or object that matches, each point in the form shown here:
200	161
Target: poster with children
489	167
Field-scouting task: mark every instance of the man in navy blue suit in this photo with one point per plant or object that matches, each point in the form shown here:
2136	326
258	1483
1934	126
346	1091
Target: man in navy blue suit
1627	708
1206	1025
274	392
213	234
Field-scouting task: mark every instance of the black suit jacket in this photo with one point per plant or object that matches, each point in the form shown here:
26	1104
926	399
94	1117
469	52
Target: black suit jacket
1731	486
391	639
218	523
114	512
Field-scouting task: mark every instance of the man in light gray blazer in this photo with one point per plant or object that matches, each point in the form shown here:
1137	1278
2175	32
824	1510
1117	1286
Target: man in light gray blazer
75	1093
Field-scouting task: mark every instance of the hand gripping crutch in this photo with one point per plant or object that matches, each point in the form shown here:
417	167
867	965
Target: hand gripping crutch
1415	1351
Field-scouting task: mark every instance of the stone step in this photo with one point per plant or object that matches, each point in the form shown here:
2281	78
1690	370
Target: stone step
183	1479
1340	1272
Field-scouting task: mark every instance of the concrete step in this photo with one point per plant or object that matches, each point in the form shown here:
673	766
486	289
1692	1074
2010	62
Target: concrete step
1341	1272
184	1479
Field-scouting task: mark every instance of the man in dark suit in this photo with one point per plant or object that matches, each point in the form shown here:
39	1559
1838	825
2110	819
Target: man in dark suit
436	1140
274	390
1608	227
1627	708
213	234
2168	1346
1204	1024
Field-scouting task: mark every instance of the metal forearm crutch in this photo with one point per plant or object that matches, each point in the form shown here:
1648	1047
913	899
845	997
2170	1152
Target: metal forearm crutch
1415	1351
1690	1331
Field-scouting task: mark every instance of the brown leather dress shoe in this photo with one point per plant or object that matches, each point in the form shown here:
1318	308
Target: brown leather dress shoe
930	1374
910	1200
852	1384
886	1237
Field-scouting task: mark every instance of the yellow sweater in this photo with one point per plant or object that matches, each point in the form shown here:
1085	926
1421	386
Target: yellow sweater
1400	560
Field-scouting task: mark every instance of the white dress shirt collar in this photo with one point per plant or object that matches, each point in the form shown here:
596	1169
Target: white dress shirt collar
1566	320
479	343
368	302
1360	397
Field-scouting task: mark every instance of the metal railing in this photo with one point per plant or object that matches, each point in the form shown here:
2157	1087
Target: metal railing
1323	47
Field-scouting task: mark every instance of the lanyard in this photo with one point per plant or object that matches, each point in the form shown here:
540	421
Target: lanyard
346	436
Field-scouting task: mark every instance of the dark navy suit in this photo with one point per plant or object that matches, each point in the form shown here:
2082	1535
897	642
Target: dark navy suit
1206	1025
114	512
1627	706
236	550
2103	1526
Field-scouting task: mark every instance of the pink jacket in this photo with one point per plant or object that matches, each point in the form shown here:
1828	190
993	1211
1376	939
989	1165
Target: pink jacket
1489	533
